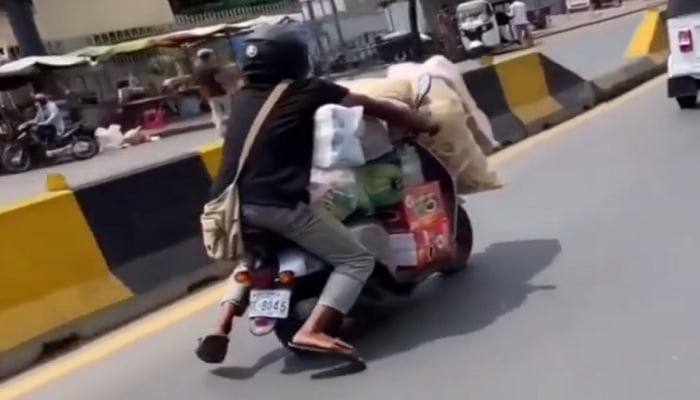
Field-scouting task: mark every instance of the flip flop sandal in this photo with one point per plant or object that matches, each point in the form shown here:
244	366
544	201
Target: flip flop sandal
351	356
212	349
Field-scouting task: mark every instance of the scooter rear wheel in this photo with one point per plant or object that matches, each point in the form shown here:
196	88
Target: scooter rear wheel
465	243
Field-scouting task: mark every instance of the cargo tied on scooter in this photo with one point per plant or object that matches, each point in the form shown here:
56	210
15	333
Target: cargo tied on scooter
396	191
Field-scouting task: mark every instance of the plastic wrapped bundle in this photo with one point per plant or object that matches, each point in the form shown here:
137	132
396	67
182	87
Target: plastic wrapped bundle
337	132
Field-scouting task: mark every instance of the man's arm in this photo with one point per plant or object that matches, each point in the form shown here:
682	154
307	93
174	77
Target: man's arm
391	113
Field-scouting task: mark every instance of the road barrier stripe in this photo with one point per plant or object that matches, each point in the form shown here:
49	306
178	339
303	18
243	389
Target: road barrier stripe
651	35
145	221
506	126
52	269
574	93
211	157
523	82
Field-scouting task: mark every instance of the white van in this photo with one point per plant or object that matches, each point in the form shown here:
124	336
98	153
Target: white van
684	51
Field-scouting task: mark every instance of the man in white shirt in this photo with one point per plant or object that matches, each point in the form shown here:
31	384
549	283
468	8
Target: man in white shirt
521	26
49	120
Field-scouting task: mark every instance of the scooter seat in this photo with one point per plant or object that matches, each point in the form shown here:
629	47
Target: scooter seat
262	242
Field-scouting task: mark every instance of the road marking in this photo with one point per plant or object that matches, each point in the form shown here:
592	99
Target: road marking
160	320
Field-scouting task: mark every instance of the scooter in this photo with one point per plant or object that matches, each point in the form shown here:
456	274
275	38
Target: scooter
28	149
286	282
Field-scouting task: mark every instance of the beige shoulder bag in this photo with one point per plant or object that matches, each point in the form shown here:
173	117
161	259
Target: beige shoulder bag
221	224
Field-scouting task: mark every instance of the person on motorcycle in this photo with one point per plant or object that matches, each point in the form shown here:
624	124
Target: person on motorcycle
273	185
48	119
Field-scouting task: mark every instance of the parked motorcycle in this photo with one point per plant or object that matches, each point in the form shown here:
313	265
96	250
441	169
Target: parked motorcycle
27	149
286	282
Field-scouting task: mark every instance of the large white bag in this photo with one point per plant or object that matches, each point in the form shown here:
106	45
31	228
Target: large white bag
337	132
456	143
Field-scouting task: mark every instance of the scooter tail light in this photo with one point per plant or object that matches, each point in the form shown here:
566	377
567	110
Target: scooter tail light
286	278
685	41
243	277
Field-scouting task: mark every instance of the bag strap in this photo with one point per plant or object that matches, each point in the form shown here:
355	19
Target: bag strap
257	124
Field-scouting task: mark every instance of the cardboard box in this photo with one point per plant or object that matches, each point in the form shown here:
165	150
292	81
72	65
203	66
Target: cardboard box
423	247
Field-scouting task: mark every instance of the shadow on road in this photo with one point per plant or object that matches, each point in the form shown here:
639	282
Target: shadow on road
497	282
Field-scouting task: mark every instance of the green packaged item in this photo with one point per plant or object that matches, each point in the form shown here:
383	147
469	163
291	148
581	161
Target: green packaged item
382	182
339	203
339	192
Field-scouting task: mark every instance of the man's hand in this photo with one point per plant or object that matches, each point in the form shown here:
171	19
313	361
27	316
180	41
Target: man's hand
391	113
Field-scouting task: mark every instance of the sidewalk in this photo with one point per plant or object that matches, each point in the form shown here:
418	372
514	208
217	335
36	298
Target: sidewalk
566	22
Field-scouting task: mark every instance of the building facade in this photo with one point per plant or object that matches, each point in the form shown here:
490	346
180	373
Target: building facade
64	19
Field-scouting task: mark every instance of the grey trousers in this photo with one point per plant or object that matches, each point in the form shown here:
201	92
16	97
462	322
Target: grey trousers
322	235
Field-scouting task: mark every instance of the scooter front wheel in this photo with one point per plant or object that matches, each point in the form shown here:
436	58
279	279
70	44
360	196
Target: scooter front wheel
464	243
16	158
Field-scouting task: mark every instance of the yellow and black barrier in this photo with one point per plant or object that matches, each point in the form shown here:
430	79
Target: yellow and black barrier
76	262
527	94
646	54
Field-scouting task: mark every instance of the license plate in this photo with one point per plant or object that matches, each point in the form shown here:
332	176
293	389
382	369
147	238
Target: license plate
269	303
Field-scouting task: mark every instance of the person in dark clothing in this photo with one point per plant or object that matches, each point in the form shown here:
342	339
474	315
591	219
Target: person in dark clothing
206	76
273	183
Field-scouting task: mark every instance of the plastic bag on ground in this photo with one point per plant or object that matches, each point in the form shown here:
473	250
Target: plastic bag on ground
110	138
337	132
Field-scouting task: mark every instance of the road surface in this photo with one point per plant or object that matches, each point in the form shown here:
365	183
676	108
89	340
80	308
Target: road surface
584	285
589	50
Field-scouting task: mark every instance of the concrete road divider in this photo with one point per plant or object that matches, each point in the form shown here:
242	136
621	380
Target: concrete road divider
76	262
647	53
631	75
650	37
52	274
526	94
146	222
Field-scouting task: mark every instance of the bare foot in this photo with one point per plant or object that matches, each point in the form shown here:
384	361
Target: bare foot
323	341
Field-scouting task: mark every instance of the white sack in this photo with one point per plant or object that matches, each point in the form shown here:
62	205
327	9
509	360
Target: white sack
337	132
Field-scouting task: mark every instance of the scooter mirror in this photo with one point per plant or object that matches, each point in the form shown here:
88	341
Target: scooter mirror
424	84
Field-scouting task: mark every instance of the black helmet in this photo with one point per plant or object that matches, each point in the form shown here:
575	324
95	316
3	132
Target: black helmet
274	53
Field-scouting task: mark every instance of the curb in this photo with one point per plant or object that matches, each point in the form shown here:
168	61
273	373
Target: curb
78	332
599	21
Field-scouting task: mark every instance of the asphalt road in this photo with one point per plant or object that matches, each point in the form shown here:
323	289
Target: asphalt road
598	49
584	285
588	51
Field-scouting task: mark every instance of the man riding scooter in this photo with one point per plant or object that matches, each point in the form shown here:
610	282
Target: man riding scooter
273	183
49	121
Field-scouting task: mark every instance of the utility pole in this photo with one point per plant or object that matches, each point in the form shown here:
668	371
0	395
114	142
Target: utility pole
309	7
20	14
336	20
416	42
